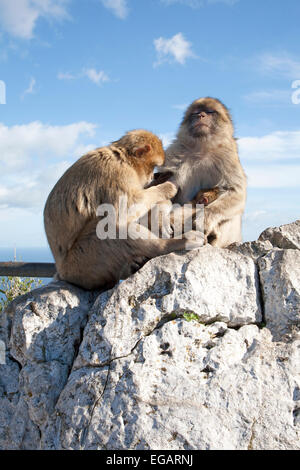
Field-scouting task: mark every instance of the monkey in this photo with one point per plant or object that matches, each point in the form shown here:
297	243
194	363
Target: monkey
204	196
207	196
102	176
204	155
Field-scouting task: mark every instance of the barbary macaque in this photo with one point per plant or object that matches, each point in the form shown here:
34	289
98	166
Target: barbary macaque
204	155
102	177
207	196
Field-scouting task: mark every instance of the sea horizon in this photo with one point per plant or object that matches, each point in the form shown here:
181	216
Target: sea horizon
39	254
29	255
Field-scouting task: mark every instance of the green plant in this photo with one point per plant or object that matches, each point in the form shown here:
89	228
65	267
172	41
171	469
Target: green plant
12	287
189	316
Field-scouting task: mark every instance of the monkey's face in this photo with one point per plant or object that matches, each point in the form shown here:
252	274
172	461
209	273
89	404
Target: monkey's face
148	157
207	116
201	122
144	150
157	159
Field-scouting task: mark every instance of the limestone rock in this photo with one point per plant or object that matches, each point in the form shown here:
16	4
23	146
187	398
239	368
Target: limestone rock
286	236
202	283
45	328
185	386
280	279
255	249
197	350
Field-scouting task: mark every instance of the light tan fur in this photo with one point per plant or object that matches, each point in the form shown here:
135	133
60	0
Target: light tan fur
204	155
101	177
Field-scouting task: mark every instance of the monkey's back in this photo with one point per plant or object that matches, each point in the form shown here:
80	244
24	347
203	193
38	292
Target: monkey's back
99	177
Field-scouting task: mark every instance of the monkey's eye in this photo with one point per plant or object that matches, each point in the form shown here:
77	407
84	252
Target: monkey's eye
207	111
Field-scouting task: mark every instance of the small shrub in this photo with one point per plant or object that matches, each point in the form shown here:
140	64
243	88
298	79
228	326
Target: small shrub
189	316
12	287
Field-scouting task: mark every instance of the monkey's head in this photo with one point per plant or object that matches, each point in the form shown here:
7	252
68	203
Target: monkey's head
144	150
207	117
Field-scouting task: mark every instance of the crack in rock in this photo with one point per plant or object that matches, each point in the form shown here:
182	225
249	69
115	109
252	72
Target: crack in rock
197	350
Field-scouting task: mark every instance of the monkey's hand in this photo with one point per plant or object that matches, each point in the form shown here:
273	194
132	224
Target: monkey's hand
159	219
168	190
211	221
194	240
160	178
206	196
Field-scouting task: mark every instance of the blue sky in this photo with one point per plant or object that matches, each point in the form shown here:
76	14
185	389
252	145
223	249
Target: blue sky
79	73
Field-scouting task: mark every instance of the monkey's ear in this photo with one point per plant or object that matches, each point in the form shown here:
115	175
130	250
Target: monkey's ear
142	150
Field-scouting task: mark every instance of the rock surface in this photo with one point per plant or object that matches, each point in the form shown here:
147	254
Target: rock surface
197	350
286	236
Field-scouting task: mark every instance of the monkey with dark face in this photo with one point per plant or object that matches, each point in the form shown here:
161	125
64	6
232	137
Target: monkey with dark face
102	177
204	155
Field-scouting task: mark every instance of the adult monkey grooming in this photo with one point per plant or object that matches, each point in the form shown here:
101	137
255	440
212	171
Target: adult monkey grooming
101	177
204	155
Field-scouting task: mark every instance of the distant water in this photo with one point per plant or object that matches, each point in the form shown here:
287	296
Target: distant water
35	255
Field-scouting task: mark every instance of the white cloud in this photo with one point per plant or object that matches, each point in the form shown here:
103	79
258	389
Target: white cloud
31	88
31	190
273	176
118	7
177	49
273	160
280	145
279	65
270	97
96	76
66	76
19	17
25	152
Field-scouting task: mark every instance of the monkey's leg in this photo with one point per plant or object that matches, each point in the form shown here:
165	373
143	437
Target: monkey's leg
93	263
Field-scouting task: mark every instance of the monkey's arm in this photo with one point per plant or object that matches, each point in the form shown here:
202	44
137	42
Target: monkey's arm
160	178
228	205
145	199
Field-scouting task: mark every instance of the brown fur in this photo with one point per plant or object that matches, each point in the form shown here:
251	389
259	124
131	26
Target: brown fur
204	155
206	196
101	176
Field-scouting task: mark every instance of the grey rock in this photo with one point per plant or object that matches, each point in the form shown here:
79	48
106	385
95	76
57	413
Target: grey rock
47	324
280	279
185	386
286	236
202	282
255	249
197	350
